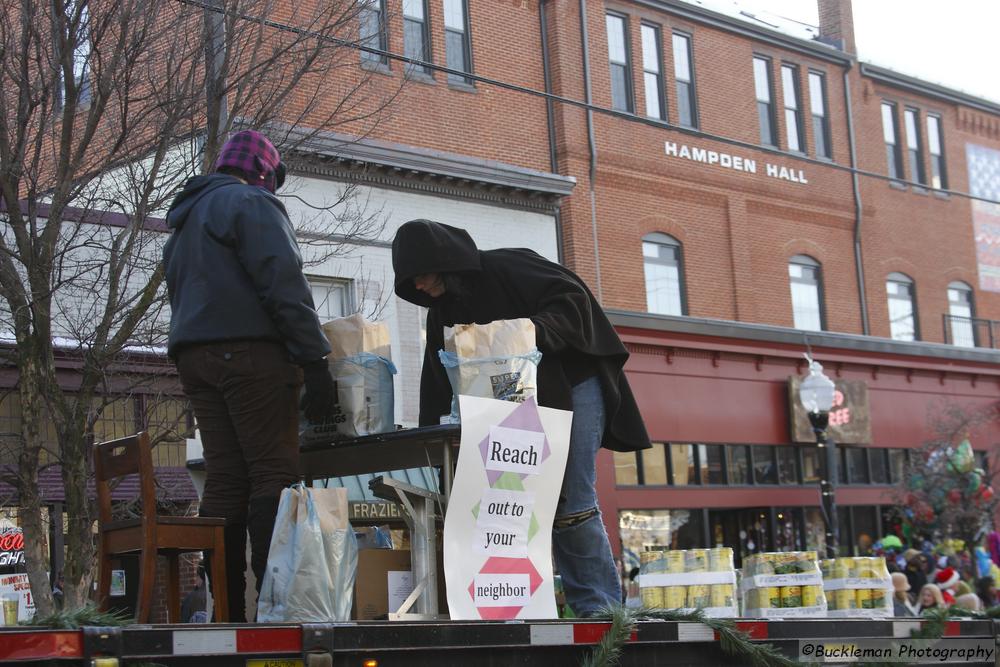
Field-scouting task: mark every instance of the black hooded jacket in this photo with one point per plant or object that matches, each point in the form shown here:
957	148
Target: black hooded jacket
234	271
572	332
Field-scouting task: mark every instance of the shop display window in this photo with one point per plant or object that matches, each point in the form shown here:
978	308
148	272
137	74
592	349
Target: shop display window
644	530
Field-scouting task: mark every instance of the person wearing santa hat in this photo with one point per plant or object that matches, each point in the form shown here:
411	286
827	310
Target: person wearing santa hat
947	579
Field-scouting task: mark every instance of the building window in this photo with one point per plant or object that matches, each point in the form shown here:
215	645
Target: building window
810	464
331	297
935	144
712	464
661	259
787	473
687	113
416	37
897	465
805	277
890	133
878	466
765	108
961	311
654	465
793	107
618	61
372	31
457	45
81	54
817	107
902	307
682	468
652	72
765	468
626	469
738	467
857	465
914	146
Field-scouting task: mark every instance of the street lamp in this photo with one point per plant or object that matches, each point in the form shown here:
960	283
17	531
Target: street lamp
816	394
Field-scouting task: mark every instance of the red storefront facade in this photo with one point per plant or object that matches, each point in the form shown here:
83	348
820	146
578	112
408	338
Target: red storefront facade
726	469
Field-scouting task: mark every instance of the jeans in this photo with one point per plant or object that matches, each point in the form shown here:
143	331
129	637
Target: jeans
579	542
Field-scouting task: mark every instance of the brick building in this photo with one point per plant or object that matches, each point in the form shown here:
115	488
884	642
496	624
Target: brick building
745	190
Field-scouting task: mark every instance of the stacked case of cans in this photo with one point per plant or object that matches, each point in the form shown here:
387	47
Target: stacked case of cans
783	585
858	586
691	579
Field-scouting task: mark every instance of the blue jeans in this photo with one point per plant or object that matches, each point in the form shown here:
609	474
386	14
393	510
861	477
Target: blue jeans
579	542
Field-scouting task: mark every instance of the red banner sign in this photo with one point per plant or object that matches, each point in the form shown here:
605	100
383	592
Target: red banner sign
11	547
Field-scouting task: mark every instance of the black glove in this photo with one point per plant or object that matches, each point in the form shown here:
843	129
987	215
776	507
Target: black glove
320	397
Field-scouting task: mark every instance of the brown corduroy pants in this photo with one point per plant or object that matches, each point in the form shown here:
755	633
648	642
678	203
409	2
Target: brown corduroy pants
245	399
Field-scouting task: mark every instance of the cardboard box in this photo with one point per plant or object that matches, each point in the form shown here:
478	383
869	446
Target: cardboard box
382	575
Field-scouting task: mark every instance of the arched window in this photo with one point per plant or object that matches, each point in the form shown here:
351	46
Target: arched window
806	281
961	314
902	307
664	268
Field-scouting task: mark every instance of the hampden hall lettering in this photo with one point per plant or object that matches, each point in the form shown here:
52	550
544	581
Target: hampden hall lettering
734	162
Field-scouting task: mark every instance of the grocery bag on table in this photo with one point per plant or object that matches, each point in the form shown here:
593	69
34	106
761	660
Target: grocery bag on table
362	369
313	559
496	360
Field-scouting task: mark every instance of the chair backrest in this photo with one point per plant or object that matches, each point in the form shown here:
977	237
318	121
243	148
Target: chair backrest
118	458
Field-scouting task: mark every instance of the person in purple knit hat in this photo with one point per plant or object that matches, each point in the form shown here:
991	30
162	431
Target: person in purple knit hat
244	334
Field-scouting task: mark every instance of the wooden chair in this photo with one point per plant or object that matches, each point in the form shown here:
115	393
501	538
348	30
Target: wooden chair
152	534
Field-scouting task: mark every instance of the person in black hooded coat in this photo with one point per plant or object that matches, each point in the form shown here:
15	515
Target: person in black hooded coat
581	370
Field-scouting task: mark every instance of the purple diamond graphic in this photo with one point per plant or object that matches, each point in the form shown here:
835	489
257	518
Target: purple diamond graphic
524	417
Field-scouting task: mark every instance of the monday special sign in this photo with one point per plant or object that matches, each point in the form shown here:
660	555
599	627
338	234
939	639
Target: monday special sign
498	529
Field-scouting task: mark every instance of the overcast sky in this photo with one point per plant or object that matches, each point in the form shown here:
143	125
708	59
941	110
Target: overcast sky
955	43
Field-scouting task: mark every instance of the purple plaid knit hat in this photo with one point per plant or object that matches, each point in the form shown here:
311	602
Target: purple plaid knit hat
253	154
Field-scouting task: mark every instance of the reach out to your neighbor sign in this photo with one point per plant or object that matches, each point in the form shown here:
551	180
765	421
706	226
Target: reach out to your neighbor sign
734	162
498	527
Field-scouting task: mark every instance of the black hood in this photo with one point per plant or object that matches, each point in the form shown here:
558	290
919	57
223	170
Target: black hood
424	246
192	192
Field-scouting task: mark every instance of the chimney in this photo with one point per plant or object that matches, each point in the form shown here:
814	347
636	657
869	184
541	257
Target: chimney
836	24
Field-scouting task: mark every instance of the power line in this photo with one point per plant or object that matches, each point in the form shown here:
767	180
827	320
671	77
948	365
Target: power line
624	115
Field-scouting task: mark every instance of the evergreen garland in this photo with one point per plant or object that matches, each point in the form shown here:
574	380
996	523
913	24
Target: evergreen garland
89	615
733	642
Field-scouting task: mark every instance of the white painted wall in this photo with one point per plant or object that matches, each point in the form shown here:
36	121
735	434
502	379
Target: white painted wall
371	267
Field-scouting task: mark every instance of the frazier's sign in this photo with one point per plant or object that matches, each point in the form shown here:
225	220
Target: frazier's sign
850	416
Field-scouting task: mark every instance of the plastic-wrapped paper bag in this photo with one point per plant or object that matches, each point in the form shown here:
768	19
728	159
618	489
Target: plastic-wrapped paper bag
362	370
496	360
313	559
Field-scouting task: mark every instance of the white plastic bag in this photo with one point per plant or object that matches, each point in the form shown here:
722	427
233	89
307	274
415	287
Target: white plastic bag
313	559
